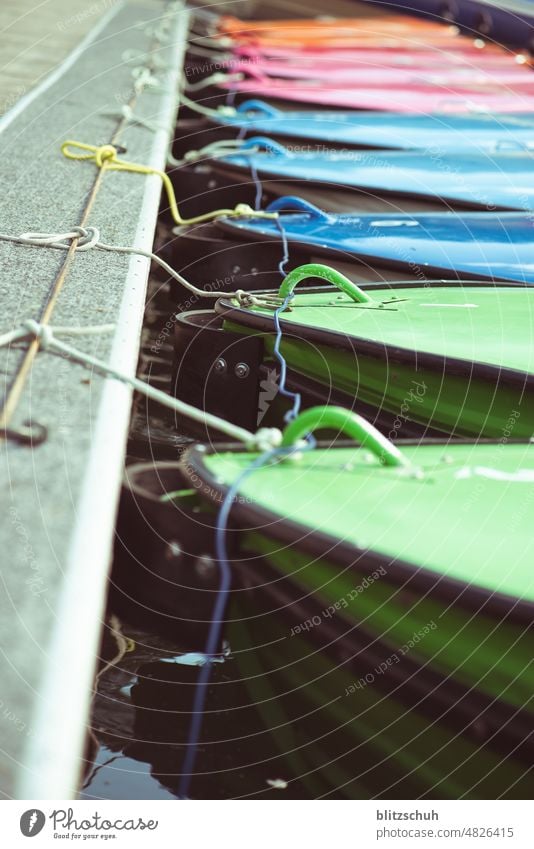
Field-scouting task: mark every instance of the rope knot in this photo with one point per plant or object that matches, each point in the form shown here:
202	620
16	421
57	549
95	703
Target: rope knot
244	299
105	153
88	238
244	209
41	332
267	438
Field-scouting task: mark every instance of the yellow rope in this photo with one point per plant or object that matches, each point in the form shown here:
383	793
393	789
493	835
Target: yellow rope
105	157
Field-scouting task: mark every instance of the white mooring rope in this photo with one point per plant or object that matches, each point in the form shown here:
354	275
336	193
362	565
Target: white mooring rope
262	440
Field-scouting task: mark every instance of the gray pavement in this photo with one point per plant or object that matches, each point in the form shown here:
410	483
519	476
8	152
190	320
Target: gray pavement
58	499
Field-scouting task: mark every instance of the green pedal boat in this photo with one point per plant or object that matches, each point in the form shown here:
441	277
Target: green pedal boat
382	606
455	358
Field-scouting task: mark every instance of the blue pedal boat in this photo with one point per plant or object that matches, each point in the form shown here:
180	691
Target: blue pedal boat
485	181
385	130
468	246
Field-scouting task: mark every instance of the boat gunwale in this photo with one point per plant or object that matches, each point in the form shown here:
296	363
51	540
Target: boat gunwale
248	125
467	596
244	236
447	366
243	175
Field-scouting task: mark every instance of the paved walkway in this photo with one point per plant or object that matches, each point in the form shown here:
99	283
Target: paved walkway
58	500
36	35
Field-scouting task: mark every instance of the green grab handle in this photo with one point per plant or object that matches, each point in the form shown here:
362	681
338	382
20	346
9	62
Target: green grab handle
355	426
314	269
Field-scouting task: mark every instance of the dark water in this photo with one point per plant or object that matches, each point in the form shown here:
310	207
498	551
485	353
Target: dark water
116	776
141	719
